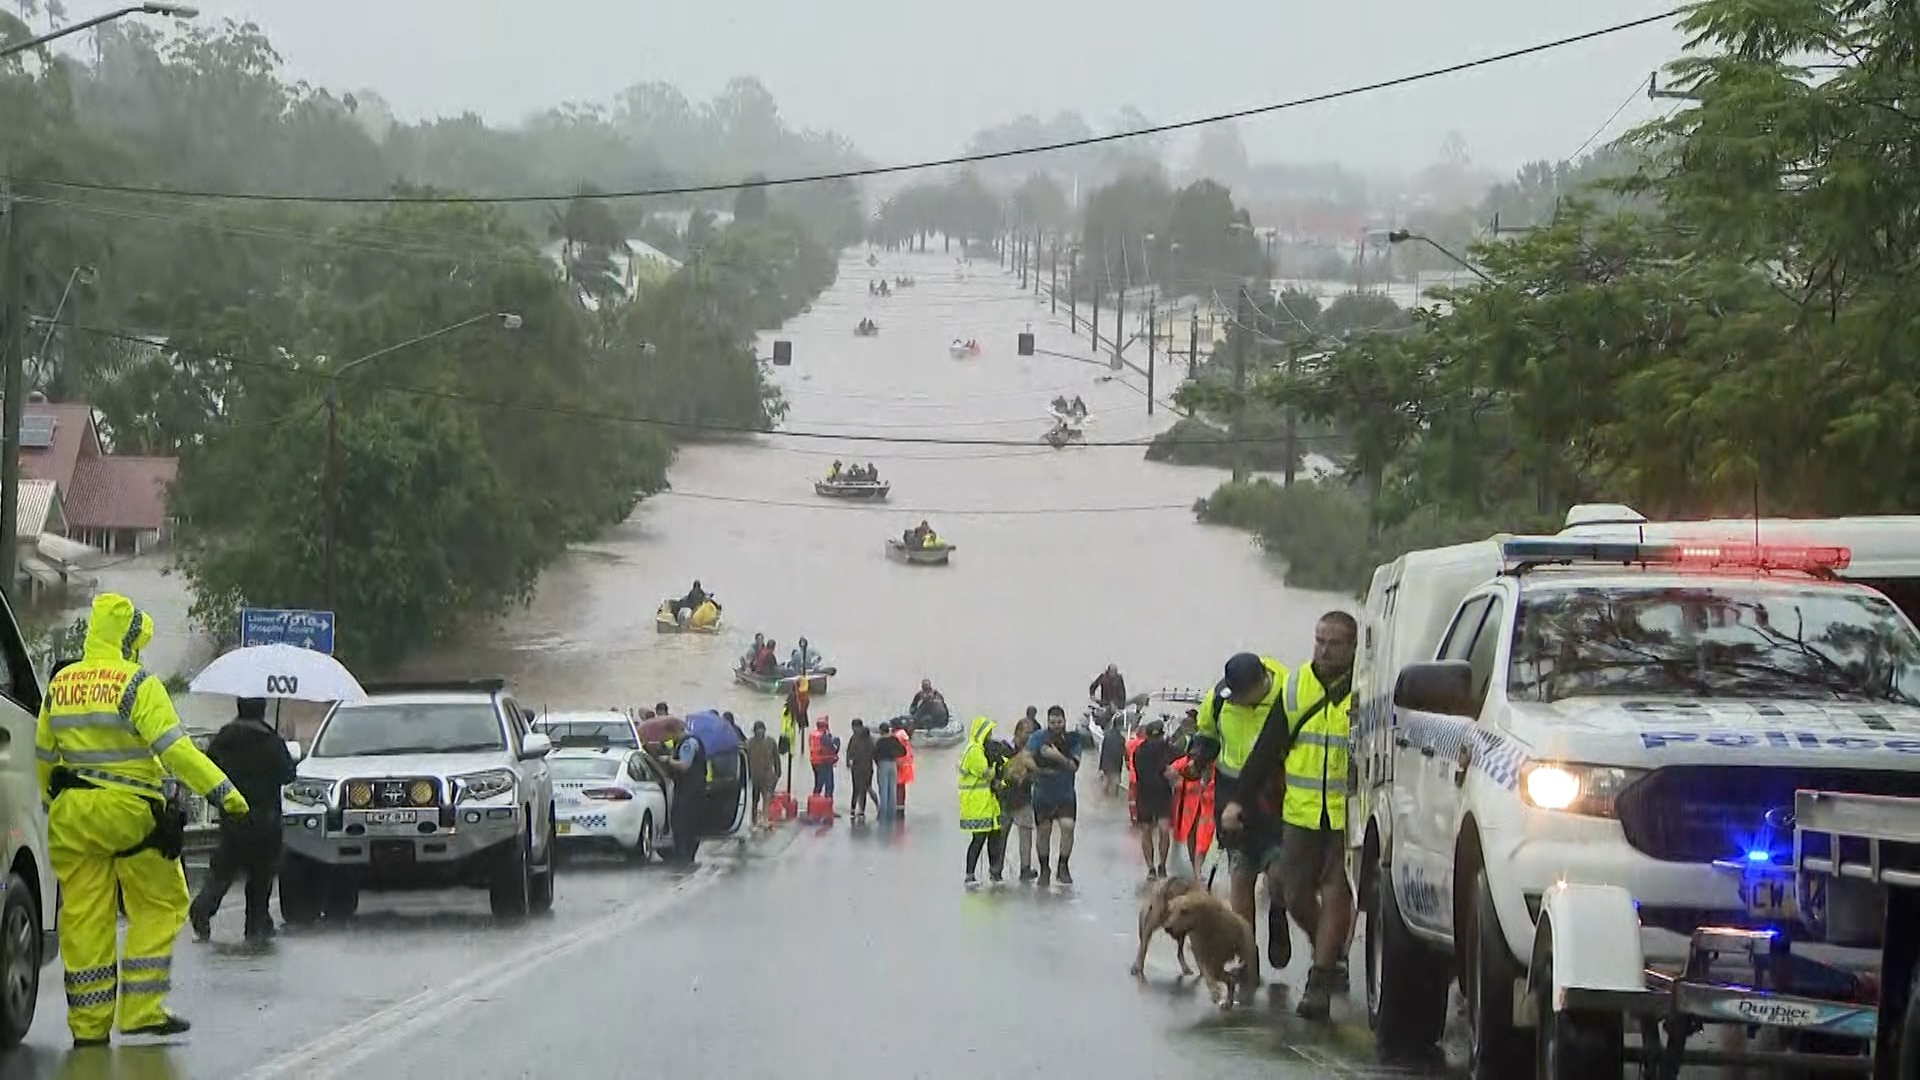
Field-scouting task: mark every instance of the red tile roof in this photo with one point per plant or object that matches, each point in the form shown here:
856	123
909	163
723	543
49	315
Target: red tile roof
72	430
120	492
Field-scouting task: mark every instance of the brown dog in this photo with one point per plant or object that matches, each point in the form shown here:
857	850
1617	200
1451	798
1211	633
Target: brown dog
1153	918
1218	935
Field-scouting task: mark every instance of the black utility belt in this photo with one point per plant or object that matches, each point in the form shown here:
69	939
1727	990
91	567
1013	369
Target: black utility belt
169	833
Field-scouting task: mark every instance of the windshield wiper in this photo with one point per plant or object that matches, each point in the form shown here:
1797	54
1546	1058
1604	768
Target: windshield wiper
1817	681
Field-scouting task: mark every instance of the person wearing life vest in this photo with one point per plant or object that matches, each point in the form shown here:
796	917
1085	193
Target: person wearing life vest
823	752
107	737
1193	811
1245	701
1309	757
904	769
980	815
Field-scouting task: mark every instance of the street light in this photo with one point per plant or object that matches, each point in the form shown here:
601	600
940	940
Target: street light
1401	236
156	7
329	471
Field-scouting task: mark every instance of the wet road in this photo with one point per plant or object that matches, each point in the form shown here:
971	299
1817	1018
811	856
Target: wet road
863	942
858	939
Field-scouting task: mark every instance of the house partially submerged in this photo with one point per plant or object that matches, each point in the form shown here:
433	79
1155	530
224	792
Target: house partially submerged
116	503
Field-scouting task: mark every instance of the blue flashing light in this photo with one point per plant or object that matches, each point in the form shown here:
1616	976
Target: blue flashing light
1760	855
1545	550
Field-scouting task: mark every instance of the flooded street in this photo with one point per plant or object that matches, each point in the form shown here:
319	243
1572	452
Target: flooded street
1067	560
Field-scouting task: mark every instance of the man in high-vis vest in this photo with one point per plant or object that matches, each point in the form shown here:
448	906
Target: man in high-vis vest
1243	704
1312	753
106	739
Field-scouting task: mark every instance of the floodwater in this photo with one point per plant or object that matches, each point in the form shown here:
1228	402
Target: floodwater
1067	560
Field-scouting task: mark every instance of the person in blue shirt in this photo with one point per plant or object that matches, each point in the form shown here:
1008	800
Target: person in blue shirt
1056	757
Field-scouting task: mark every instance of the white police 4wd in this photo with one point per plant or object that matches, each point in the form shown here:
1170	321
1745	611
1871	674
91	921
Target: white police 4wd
420	786
1566	748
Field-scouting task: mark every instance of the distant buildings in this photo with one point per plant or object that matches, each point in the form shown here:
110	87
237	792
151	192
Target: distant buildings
113	503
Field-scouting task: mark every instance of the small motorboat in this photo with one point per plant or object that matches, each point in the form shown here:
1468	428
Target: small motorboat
937	553
866	328
781	682
963	350
950	733
857	490
667	621
1063	436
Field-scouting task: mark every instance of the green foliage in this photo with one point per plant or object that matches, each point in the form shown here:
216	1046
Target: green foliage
467	459
50	641
1734	328
1193	240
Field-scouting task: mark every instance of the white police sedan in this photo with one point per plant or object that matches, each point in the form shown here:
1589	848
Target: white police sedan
608	797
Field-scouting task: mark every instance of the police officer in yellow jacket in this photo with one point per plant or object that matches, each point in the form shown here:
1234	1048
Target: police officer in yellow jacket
1311	755
107	736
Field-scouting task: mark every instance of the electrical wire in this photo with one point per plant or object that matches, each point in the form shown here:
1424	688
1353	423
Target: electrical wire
843	508
1632	96
917	166
688	427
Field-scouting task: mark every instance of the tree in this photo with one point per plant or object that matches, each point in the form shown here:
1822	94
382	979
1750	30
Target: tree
750	203
1039	203
1220	156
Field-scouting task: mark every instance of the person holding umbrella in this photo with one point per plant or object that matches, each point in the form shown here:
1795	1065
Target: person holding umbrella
256	759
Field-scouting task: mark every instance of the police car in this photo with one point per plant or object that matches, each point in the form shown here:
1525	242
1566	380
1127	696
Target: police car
1593	732
608	796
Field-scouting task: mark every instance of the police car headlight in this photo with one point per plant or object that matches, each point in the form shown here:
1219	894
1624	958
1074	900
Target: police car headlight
1575	789
481	786
308	792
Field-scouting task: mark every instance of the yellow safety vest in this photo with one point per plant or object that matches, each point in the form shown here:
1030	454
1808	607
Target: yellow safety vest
108	721
1234	725
1316	767
979	806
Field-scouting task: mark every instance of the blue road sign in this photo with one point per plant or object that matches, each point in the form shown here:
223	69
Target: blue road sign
282	626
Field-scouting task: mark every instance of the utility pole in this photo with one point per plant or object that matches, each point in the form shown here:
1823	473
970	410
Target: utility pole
1293	414
1243	320
1037	240
1053	286
1094	323
1193	343
1020	260
330	491
1152	332
1119	325
1073	299
13	293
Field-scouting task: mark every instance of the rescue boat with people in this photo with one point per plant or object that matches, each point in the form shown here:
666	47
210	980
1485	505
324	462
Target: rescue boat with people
783	680
938	553
964	350
705	620
951	733
857	490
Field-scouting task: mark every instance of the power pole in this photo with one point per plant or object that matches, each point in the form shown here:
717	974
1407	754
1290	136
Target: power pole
1020	260
1152	332
1094	323
1293	414
1243	320
1053	286
1073	299
330	491
1193	343
13	293
1037	239
1119	325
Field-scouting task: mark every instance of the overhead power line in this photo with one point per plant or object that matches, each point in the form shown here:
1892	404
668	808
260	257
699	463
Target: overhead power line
915	166
662	423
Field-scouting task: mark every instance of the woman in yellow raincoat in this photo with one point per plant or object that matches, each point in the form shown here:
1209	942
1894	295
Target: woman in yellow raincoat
980	801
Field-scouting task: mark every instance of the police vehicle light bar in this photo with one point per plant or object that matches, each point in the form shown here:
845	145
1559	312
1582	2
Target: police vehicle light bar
1708	555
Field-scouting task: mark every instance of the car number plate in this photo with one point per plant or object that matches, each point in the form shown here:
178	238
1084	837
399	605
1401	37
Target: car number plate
392	817
1770	897
568	800
563	827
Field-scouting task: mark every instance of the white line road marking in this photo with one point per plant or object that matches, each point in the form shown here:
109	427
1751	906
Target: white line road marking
335	1053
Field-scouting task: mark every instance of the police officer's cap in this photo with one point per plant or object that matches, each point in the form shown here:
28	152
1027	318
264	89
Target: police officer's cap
1243	676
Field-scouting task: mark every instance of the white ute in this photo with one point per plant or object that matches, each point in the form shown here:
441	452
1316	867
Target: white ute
420	786
1570	750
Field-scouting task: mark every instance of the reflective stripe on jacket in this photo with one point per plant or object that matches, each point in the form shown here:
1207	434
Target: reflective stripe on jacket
109	721
979	805
1316	765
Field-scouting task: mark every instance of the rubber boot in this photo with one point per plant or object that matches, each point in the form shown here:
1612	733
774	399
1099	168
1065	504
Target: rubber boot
1316	1001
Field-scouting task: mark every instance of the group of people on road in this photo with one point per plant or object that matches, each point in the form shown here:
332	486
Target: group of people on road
879	760
1026	786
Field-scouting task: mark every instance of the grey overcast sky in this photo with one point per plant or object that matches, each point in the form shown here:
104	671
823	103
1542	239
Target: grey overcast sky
910	79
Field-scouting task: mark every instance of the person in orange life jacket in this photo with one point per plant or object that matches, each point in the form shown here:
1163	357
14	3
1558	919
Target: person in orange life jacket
823	750
905	738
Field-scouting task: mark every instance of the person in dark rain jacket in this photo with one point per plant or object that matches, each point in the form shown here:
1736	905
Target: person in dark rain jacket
256	760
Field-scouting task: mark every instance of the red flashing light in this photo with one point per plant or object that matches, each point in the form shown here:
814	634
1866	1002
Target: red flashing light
1804	559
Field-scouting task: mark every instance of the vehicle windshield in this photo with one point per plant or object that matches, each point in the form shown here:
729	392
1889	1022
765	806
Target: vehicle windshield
424	728
596	768
1726	639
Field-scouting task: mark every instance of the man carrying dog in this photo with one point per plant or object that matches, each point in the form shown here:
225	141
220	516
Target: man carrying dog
1245	701
1309	756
